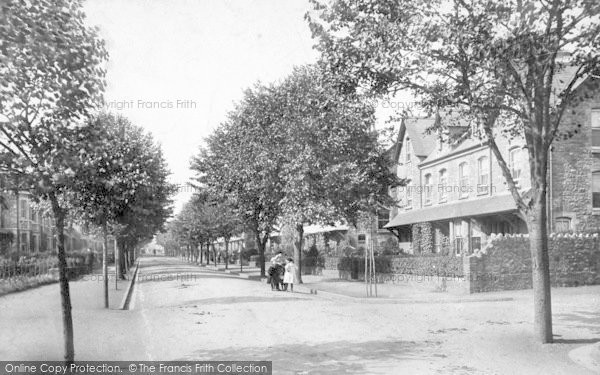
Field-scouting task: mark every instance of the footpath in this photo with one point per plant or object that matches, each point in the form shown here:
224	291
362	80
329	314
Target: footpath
32	329
330	287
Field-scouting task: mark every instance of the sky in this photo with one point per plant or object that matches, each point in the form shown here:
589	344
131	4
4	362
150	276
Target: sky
176	67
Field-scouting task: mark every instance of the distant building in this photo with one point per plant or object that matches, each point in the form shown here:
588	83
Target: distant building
25	229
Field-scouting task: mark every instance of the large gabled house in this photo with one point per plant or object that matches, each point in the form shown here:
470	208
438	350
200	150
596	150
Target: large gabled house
457	196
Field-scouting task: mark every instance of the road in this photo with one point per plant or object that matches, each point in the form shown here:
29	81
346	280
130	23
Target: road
184	312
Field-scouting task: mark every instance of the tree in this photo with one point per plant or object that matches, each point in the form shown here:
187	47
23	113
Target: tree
168	240
333	163
226	223
242	163
51	76
117	173
147	211
499	65
203	220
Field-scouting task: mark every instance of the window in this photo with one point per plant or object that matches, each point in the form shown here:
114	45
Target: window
596	189
562	224
442	186
407	155
383	217
409	196
483	175
428	188
463	180
34	243
461	235
475	244
24	243
23	209
362	238
515	162
596	130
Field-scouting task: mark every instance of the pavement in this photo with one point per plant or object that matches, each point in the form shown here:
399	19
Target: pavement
180	311
400	291
31	320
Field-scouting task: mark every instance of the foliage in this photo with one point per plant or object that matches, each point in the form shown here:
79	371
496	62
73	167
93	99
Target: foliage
242	163
204	219
313	258
486	63
333	163
500	67
429	265
124	183
51	77
390	246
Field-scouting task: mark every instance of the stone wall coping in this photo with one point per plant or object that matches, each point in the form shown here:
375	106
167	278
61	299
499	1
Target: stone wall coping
551	235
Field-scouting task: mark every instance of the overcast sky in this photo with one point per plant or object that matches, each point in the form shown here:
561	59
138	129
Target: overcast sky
200	53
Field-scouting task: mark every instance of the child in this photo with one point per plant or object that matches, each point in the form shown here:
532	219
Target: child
290	274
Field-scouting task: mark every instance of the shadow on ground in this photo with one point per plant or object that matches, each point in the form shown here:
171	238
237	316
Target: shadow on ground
576	341
238	299
338	357
582	319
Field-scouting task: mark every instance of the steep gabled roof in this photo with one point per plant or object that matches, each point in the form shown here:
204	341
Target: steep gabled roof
416	129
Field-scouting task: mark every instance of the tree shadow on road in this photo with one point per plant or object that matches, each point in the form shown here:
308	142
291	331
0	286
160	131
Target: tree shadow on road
576	341
330	357
582	319
239	299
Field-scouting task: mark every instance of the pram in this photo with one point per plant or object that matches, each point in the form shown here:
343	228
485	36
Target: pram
275	278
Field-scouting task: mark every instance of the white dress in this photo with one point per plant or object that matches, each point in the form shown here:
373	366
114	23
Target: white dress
290	274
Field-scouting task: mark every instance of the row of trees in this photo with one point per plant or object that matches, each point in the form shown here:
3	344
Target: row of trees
96	168
293	153
203	220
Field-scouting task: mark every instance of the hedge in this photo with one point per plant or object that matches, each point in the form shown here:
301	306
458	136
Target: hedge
409	265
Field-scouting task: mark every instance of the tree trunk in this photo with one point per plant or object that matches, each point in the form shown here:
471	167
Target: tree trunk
124	266
117	264
132	255
298	251
540	263
215	255
226	254
18	221
67	318
201	252
105	264
126	257
261	254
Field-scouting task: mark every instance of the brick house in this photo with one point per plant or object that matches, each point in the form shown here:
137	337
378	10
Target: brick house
35	228
457	196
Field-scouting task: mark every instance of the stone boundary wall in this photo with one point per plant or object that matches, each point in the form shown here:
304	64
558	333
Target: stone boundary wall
505	262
